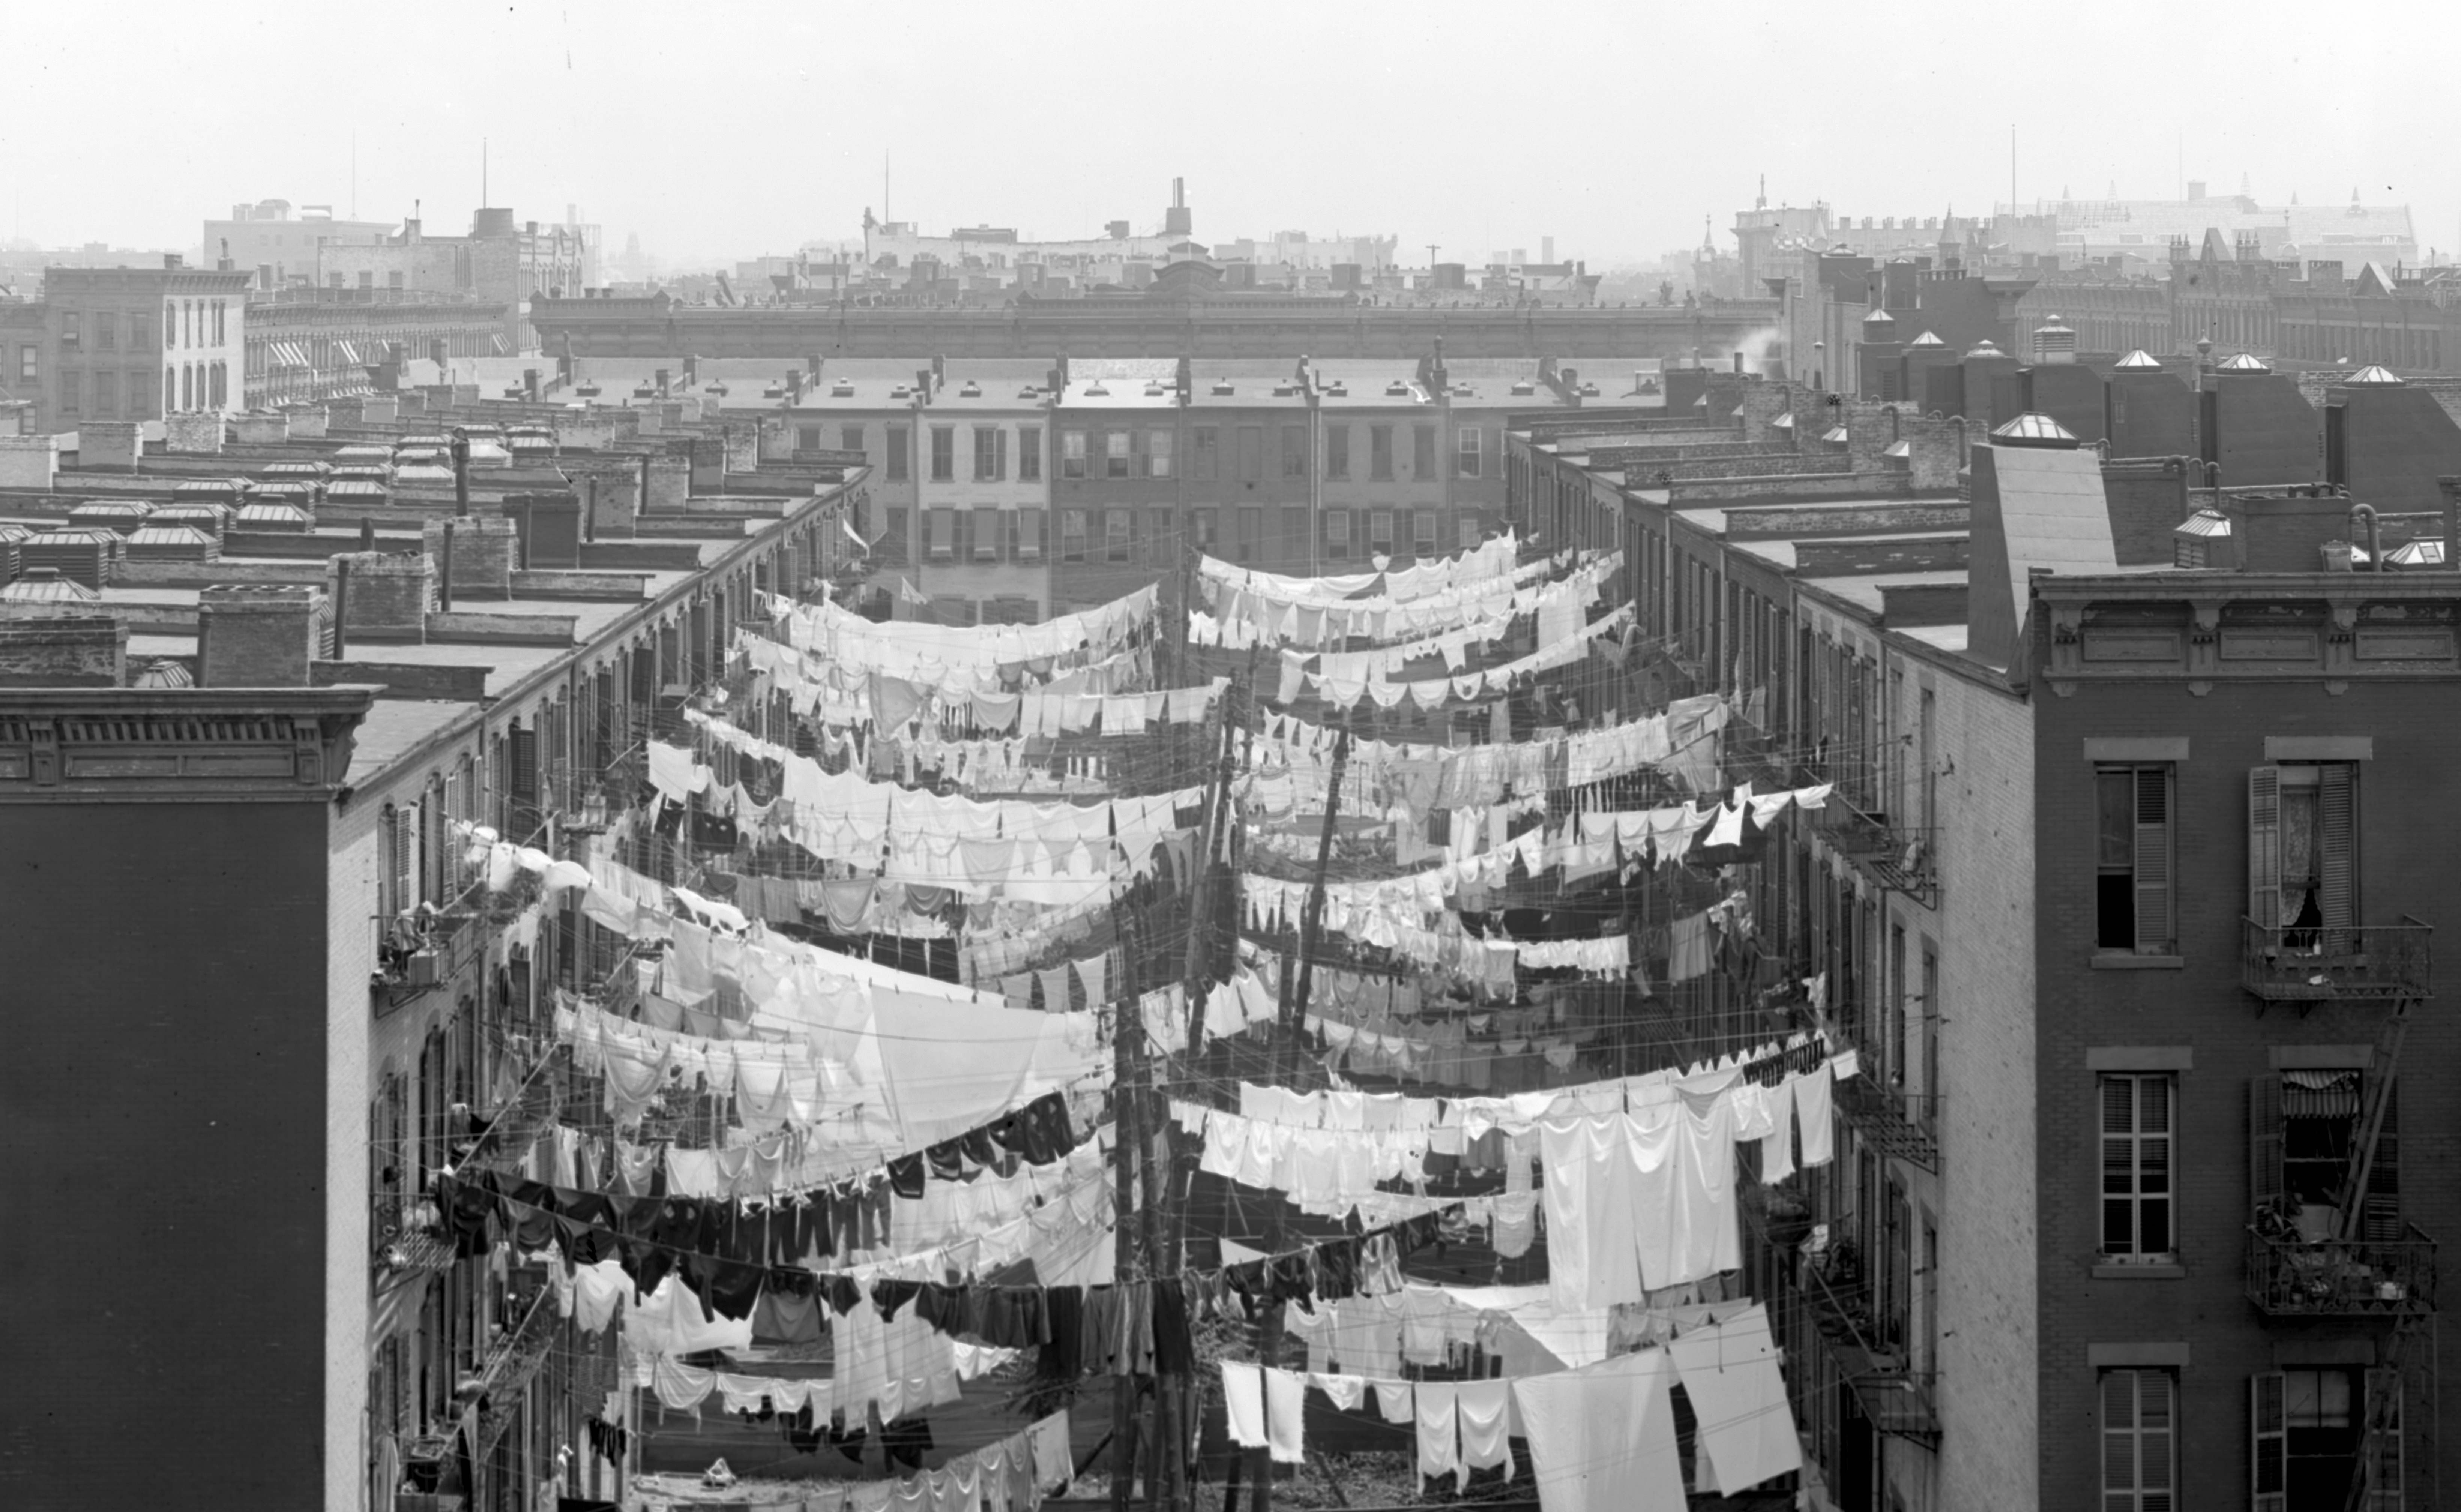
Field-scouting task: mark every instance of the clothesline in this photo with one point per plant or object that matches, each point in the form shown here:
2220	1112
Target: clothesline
1489	559
906	646
1013	1475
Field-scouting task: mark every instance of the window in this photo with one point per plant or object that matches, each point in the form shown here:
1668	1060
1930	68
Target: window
1251	453
170	391
1029	454
106	331
2302	1122
69	397
944	534
1337	535
2305	1430
944	454
171	324
1204	459
899	463
2132	909
2139	1441
1337	453
987	533
28	364
1161	531
807	437
139	324
1294	450
990	448
222	385
1072	454
1114	454
1118	532
849	439
1927	1104
1252	535
1380	454
1296	544
1423	451
1029	535
1379	532
1200	524
1466	458
1158	454
2137	1190
106	394
2303	851
219	327
1072	535
71	330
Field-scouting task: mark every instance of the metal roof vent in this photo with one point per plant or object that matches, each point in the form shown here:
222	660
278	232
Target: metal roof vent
1396	390
1524	387
1096	391
971	390
2032	429
2247	363
2203	541
1224	389
2138	361
840	390
2373	377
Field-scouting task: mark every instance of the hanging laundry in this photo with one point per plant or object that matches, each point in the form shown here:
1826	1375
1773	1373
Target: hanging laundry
1602	1440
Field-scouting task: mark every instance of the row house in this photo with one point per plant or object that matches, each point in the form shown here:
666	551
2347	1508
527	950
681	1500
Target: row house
266	786
2119	897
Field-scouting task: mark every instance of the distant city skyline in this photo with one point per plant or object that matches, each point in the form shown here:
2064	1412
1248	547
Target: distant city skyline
1368	129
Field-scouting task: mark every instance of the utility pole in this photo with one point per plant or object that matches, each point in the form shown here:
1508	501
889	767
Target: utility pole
1286	1040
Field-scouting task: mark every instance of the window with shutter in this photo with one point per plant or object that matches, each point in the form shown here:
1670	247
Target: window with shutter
2134	908
987	533
405	859
388	865
2336	847
2155	932
2139	1470
2380	1217
944	534
2263	1142
2268	1439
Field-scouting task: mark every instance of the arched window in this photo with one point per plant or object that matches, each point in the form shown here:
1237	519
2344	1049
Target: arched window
170	324
170	391
188	385
222	386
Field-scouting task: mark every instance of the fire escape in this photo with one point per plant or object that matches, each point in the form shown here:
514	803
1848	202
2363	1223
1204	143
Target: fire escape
2370	1263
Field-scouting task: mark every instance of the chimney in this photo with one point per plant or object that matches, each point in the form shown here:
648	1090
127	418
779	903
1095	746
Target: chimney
251	635
65	646
478	560
389	598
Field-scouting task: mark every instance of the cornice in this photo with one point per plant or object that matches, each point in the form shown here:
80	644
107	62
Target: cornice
124	745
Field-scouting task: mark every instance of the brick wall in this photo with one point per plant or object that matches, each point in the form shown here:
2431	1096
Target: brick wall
389	595
255	429
306	420
670	484
256	637
198	431
110	446
484	548
2404	868
62	649
1988	1321
29	462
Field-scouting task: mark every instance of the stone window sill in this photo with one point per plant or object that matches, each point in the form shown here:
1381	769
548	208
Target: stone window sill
2115	961
2111	1272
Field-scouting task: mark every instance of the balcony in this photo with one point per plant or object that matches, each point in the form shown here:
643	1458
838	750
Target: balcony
1898	858
495	1392
1874	1113
408	966
1896	1400
2290	1278
2362	963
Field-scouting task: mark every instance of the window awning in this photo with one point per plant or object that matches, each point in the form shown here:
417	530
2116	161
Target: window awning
2320	1093
503	347
348	353
288	355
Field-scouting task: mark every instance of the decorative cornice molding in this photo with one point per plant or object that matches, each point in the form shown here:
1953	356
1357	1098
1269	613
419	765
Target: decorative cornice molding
177	745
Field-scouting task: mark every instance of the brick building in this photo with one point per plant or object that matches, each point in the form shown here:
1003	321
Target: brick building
271	764
500	263
128	344
2108	896
307	344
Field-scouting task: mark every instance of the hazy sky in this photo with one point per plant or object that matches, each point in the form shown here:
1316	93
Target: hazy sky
721	132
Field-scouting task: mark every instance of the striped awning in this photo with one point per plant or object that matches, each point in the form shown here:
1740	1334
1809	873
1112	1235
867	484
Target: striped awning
348	353
503	347
2320	1093
287	355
